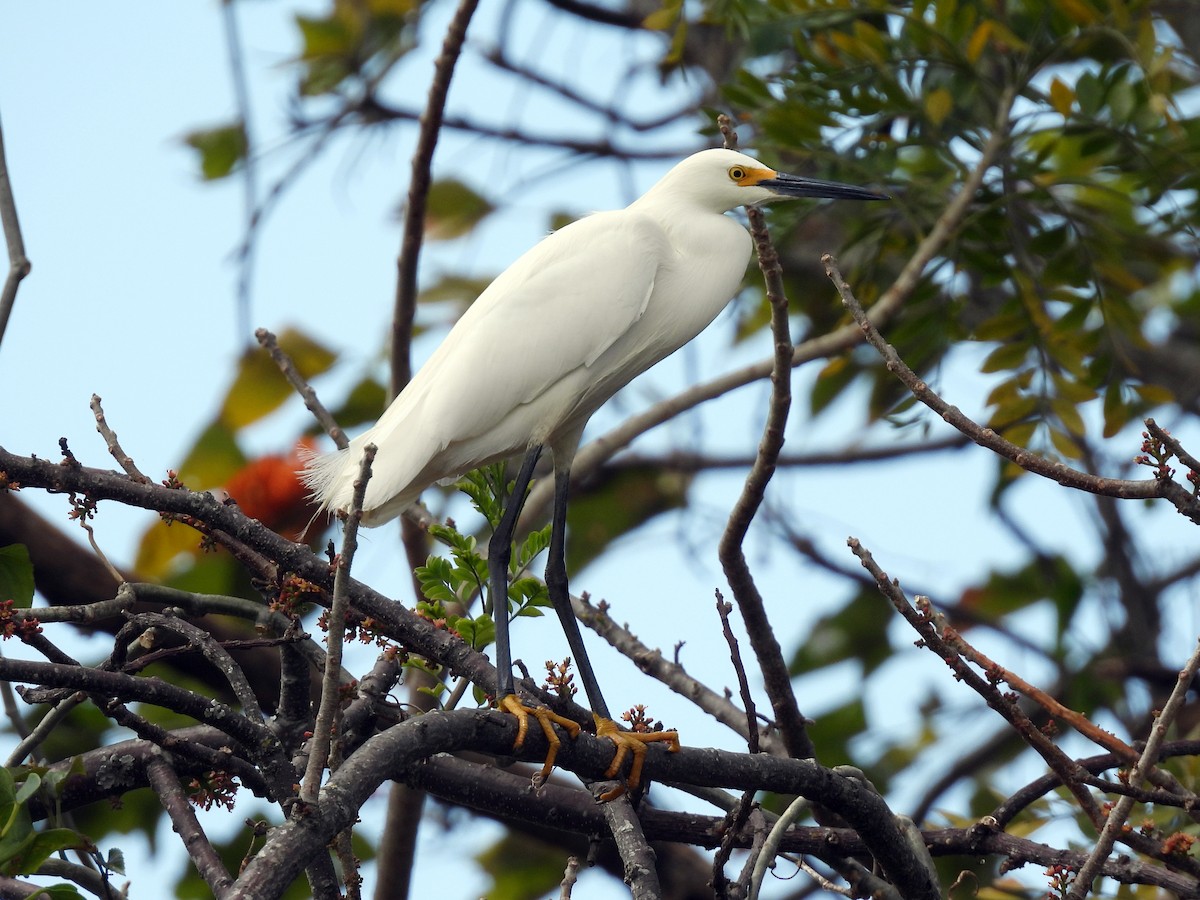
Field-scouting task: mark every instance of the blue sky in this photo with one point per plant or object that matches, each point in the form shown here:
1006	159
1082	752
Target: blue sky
132	296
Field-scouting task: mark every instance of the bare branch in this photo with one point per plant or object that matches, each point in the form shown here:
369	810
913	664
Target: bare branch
183	820
776	678
626	829
672	674
325	731
271	344
1159	487
1120	810
418	192
923	623
735	657
18	263
124	460
249	167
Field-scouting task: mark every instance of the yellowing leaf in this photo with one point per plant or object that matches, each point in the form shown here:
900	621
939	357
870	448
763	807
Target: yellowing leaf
1062	98
938	105
259	388
165	548
662	19
979	39
1080	11
212	460
1154	393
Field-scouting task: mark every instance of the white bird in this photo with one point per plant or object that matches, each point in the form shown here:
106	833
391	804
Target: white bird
565	327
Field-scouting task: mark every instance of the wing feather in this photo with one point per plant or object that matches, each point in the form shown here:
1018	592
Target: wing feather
556	310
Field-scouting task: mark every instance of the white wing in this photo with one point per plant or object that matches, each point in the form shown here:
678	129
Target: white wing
553	312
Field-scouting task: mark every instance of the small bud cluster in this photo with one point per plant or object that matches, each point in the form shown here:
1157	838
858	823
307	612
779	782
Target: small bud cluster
12	626
293	594
213	789
1061	878
559	679
1155	455
639	721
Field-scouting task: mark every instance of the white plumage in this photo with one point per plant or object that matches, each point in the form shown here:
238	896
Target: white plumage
565	327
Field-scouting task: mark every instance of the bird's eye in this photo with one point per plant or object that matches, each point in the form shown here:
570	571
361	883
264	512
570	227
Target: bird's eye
737	173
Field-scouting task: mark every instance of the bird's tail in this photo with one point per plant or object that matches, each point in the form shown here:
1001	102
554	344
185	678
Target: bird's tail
322	475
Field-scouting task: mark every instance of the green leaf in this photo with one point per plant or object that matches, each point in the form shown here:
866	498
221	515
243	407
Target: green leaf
858	631
1005	357
220	149
38	847
30	786
452	209
332	36
1065	444
365	403
521	868
478	632
834	378
618	501
1117	412
16	576
8	801
57	892
213	458
535	543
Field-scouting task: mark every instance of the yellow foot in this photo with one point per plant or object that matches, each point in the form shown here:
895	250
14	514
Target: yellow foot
512	704
628	742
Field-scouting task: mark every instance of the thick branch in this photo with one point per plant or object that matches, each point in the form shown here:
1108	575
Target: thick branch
393	753
183	820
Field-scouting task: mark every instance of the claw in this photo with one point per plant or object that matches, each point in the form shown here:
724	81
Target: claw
512	704
627	742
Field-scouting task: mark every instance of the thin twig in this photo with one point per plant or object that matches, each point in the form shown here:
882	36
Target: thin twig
18	263
303	388
691	461
651	662
985	437
217	655
418	193
124	460
249	168
44	728
770	848
735	657
1120	810
731	831
570	876
922	622
1076	720
323	730
1173	445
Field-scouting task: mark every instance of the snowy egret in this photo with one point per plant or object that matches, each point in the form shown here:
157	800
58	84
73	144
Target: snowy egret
566	326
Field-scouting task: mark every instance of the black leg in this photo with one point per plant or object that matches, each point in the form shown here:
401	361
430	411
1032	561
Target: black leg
560	595
499	554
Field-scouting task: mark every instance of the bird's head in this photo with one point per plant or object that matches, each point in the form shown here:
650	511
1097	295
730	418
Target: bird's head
725	179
